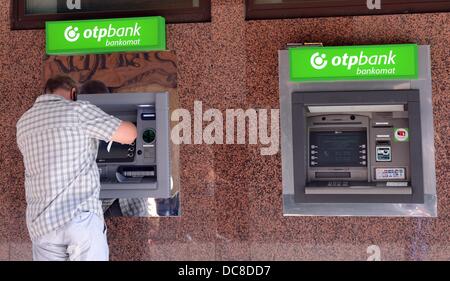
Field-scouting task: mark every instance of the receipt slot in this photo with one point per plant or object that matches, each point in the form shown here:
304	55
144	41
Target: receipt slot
355	145
141	169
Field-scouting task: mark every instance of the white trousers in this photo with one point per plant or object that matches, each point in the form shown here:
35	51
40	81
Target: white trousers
82	239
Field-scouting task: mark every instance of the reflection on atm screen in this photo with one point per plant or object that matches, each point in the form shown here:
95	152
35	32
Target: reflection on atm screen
118	153
337	148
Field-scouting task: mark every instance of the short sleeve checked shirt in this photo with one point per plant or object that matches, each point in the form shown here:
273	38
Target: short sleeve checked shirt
58	139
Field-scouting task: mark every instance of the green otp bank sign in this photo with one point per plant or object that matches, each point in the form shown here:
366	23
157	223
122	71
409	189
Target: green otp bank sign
371	62
105	35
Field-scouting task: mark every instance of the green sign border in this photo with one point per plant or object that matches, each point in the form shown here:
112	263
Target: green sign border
161	46
414	76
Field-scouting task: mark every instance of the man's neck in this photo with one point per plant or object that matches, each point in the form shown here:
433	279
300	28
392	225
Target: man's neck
63	94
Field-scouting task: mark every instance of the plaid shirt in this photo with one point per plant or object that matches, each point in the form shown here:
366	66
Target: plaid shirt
58	139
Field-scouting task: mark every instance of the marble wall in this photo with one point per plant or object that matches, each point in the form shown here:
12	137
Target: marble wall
231	195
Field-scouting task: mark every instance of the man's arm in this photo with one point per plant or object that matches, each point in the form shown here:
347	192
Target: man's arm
99	125
126	133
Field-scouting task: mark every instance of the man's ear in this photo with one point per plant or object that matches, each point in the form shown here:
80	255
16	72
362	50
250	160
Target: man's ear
73	94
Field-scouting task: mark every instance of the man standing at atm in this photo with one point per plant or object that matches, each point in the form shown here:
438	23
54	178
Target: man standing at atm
58	138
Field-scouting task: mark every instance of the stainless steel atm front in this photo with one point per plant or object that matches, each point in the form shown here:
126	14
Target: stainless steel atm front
141	169
358	147
361	146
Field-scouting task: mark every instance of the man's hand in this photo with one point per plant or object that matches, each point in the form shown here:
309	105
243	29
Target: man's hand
125	134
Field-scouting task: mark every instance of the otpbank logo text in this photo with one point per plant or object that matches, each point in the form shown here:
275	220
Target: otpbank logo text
354	62
319	61
112	35
106	35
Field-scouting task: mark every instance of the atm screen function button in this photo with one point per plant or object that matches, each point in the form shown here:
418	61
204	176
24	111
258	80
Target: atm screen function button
102	171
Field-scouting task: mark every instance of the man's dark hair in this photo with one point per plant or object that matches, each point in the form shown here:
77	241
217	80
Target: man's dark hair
59	82
93	87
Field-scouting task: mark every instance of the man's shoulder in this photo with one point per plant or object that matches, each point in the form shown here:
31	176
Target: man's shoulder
27	116
41	111
23	117
81	104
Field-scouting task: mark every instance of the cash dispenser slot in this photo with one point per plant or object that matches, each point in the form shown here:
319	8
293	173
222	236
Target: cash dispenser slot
136	174
333	175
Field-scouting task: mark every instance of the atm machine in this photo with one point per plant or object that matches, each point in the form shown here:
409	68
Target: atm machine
357	148
142	169
361	146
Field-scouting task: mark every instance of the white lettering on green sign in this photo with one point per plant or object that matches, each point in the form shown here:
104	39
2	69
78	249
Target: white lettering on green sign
105	36
354	63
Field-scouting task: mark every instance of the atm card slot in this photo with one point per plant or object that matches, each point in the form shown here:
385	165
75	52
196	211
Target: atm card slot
382	125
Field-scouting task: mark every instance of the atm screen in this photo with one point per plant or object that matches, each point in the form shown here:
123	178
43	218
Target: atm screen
338	148
117	153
